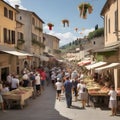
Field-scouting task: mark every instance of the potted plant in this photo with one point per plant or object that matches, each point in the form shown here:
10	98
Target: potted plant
65	21
50	25
21	41
85	8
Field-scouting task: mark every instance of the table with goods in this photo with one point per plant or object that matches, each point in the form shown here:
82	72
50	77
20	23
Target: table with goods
19	95
98	95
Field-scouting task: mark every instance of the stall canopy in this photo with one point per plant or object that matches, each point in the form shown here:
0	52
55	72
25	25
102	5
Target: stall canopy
92	66
16	53
85	62
107	66
44	58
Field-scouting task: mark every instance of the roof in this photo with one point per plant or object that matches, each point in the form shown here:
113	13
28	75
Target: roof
9	5
51	36
32	13
106	6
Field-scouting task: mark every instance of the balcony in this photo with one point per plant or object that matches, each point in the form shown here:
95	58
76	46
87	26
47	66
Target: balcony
38	28
38	43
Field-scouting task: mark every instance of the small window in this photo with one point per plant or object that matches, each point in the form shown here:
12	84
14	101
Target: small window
20	17
11	14
116	21
33	21
5	35
5	12
21	35
9	36
94	42
13	37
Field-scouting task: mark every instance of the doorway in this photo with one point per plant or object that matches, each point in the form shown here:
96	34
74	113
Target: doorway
4	73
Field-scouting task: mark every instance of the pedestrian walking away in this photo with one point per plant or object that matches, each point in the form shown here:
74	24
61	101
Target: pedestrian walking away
68	90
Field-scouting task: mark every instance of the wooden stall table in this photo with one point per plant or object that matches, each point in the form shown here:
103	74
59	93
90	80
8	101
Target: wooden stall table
102	98
98	98
20	95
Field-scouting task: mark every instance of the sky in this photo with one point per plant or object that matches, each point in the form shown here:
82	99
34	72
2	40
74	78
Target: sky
54	11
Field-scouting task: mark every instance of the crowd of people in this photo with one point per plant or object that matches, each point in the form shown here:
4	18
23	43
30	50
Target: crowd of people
69	81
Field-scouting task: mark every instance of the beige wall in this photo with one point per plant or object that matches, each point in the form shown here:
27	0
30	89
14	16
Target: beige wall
110	34
51	42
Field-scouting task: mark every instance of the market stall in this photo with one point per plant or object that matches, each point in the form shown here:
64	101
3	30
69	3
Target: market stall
98	94
20	95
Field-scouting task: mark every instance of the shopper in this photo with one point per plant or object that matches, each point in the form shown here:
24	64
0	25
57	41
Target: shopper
74	84
58	86
68	90
82	91
113	100
38	84
1	99
14	82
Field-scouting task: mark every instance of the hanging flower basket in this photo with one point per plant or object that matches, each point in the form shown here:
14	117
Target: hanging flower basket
85	8
50	25
76	29
65	21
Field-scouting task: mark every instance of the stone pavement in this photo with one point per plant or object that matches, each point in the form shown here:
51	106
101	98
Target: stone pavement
46	107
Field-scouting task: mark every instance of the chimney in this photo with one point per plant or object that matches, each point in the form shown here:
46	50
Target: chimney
17	6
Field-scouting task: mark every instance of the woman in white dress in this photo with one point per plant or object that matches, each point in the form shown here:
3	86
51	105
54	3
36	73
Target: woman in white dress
113	100
82	92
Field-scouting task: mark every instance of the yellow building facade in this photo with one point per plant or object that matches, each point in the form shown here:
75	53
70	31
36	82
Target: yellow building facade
8	62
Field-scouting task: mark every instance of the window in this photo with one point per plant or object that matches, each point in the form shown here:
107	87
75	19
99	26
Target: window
94	42
20	35
5	35
9	36
116	21
34	37
13	37
11	14
5	12
106	26
109	25
20	17
33	21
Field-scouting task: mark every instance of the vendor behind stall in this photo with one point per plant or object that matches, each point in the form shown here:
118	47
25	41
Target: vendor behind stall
14	82
1	99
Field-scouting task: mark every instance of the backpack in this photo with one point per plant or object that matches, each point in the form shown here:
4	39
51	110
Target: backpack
84	89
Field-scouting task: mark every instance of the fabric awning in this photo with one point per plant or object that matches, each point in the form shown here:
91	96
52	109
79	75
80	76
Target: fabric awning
82	63
16	53
108	66
92	66
44	58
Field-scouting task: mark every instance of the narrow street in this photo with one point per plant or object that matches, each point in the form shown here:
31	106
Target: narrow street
46	107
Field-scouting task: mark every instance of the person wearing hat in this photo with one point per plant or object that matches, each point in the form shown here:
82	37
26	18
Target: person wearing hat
68	91
58	86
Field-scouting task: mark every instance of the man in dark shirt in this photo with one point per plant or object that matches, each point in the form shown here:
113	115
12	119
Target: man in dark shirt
68	91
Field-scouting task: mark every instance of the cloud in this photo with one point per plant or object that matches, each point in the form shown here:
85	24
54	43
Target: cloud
86	31
67	37
15	2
